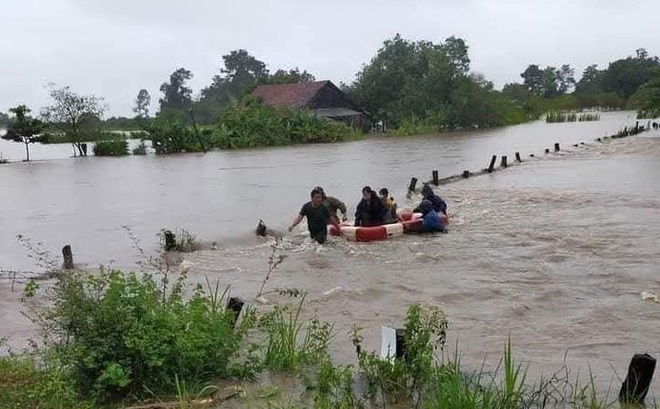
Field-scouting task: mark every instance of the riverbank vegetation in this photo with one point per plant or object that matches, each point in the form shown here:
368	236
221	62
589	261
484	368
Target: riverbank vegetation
115	339
408	87
555	117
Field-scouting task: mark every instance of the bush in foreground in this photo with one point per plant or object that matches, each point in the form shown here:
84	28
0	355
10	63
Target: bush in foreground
125	335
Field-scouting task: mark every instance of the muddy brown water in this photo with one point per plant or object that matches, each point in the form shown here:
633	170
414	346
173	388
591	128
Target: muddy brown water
554	252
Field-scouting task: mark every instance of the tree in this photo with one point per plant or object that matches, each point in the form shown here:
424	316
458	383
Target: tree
590	81
175	93
533	79
142	103
625	76
72	113
293	76
566	78
647	97
23	128
4	119
240	73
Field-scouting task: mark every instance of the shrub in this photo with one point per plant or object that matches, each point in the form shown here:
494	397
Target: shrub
180	240
117	147
289	347
250	124
123	334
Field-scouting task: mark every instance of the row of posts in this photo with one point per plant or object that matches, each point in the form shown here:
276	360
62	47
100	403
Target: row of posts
435	179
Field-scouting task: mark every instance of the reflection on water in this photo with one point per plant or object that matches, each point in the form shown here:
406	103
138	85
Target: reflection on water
555	252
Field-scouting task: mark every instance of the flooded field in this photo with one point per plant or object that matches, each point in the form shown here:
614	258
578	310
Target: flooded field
554	252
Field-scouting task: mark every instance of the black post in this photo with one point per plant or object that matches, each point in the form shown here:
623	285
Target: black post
413	184
436	180
599	140
547	150
261	228
636	386
556	147
84	149
503	163
492	164
400	342
518	157
170	240
68	257
235	305
466	174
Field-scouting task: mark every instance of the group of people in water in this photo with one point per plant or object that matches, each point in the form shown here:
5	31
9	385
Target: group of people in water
374	209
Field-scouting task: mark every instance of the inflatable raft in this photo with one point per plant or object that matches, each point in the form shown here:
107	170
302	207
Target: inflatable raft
407	219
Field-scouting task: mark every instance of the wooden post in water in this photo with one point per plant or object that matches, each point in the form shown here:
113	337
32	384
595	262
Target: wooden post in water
492	164
557	147
636	386
413	184
518	157
599	140
68	257
503	163
170	240
236	306
466	174
547	150
400	342
434	175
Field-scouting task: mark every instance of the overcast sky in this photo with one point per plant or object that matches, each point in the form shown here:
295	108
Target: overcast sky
113	48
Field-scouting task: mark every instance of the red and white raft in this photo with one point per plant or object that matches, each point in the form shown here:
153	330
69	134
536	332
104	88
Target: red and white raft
407	219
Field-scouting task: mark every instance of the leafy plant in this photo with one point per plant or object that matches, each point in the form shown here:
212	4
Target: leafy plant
120	335
291	345
117	147
180	240
405	377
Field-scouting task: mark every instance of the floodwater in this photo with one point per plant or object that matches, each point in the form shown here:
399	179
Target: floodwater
554	252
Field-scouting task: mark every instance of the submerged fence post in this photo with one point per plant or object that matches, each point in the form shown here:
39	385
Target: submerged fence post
434	176
170	240
68	257
556	147
413	184
492	164
236	305
636	386
518	157
547	150
503	163
466	174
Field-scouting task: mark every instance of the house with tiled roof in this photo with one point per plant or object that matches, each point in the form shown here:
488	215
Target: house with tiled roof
321	97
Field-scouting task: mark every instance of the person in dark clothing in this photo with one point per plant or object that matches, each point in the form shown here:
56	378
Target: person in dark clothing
370	211
318	217
436	201
333	204
431	222
389	204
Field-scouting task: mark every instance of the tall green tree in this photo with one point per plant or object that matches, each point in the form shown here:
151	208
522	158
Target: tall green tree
73	113
176	95
292	76
142	102
625	76
533	79
647	97
241	71
23	128
4	119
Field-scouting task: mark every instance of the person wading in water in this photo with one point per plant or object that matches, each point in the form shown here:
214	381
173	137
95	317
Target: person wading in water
318	217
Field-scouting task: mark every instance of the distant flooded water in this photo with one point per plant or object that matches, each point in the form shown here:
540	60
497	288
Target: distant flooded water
554	252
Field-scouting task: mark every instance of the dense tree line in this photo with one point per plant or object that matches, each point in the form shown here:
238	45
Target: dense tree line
616	86
412	86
